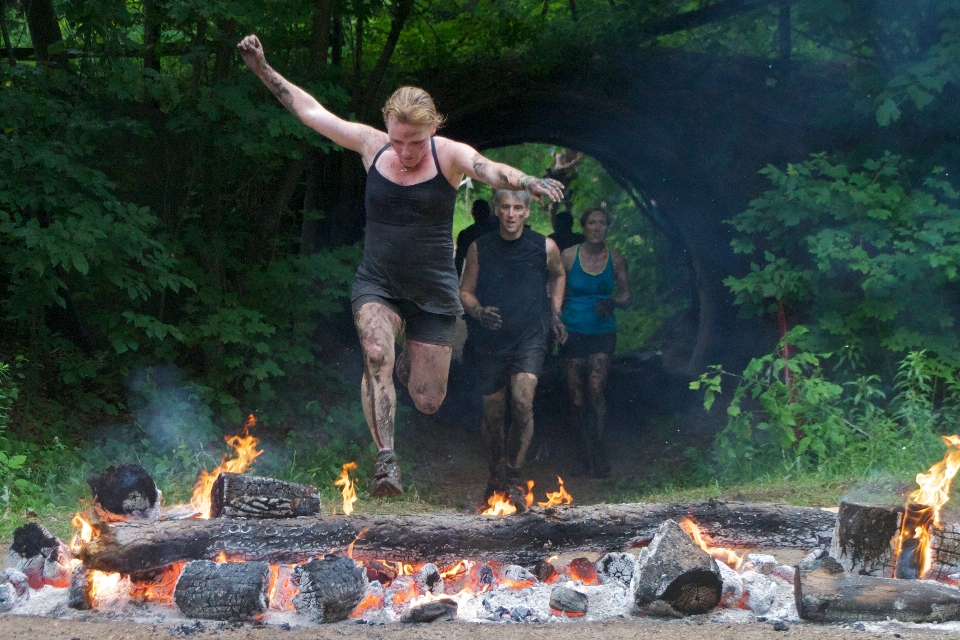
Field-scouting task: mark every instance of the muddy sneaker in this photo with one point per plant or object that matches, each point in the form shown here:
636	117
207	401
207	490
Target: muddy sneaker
386	476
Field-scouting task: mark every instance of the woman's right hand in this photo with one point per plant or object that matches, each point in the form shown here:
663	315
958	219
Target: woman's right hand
252	53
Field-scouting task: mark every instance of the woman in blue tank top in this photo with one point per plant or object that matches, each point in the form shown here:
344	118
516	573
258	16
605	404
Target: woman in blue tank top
406	282
597	283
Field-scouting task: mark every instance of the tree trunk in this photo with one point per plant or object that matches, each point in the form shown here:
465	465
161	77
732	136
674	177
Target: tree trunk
400	15
320	34
238	495
447	538
44	27
227	591
151	35
823	596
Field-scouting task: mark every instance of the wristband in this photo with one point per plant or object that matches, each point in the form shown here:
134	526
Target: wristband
523	181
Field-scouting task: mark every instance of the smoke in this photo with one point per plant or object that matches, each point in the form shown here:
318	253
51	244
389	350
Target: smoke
168	408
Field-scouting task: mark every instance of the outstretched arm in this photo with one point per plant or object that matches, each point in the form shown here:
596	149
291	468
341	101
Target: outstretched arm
468	160
350	135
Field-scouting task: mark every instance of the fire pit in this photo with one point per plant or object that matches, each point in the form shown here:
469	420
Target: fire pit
252	548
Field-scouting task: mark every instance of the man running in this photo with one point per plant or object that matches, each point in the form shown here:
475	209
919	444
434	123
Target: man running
406	281
506	279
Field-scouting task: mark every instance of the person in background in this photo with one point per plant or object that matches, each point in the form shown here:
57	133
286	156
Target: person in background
406	282
563	233
483	222
512	286
597	283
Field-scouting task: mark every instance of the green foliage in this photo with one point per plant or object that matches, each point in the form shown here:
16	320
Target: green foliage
863	255
794	415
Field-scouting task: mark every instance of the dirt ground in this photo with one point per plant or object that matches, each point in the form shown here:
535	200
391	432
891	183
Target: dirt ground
22	627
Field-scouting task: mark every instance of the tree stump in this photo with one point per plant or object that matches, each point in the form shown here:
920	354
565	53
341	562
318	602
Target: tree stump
829	596
864	541
330	589
124	491
234	591
237	495
674	576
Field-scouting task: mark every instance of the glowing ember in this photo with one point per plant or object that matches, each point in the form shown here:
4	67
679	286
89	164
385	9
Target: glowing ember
83	535
557	497
457	569
245	447
923	513
500	505
104	584
282	589
727	556
348	492
160	588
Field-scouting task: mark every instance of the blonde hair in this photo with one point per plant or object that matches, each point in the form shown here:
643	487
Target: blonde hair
411	105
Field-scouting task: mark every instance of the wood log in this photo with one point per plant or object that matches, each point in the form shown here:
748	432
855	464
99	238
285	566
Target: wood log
41	556
124	491
674	576
238	495
568	602
826	596
864	541
80	594
446	538
442	609
330	589
228	591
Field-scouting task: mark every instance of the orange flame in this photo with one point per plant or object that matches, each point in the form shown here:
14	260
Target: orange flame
245	447
456	569
500	505
160	588
528	496
727	556
83	535
282	590
557	497
101	583
370	601
923	508
348	492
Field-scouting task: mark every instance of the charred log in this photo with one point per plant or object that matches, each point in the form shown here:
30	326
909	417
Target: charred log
825	596
569	602
237	495
445	538
41	556
442	609
330	589
124	491
675	577
864	540
228	591
80	595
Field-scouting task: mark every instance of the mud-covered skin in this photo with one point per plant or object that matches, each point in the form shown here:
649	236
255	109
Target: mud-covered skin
425	367
593	370
503	177
523	386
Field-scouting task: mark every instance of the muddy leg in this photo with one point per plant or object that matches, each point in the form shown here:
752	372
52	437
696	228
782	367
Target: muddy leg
523	386
378	327
429	366
598	365
578	430
493	415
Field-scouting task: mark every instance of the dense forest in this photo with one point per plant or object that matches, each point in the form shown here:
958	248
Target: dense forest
177	249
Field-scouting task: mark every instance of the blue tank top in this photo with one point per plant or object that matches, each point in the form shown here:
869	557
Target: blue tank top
583	291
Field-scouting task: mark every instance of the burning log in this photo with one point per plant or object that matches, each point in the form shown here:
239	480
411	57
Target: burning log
227	591
330	589
41	556
827	596
446	538
442	609
566	601
864	541
80	594
237	495
674	576
124	491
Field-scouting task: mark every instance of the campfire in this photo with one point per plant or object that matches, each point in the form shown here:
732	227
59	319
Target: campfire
249	547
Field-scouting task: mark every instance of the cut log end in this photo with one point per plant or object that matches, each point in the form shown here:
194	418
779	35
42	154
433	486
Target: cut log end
863	541
232	591
124	491
236	495
330	589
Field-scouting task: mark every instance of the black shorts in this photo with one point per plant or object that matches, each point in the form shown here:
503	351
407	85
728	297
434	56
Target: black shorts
419	325
584	345
494	370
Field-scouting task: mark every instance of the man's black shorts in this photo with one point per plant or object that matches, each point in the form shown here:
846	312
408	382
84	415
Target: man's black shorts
419	325
584	345
494	370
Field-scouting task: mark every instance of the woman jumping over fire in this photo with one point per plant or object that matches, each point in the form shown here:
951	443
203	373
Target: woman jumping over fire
406	282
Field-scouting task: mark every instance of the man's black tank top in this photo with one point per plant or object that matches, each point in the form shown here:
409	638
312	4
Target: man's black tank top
408	246
512	277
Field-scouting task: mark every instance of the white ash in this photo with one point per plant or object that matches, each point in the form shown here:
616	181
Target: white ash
732	589
605	601
429	580
516	573
760	591
784	572
616	568
762	562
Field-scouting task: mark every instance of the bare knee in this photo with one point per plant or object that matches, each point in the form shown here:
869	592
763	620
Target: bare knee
377	357
523	406
429	401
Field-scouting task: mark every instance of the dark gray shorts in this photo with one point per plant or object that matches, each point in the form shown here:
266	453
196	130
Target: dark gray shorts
584	345
419	325
494	370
